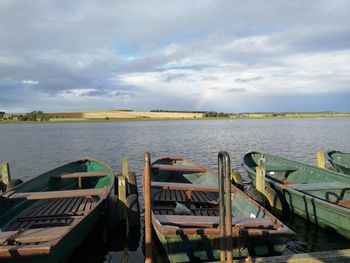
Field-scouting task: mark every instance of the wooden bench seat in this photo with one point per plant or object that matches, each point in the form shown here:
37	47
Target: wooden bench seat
212	221
179	168
53	212
81	174
185	187
59	194
35	235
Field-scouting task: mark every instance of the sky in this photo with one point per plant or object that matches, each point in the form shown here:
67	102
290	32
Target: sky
231	56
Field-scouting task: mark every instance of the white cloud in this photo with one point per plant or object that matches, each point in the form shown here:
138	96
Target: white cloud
30	82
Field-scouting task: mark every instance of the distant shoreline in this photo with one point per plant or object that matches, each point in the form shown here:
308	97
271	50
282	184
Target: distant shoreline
97	117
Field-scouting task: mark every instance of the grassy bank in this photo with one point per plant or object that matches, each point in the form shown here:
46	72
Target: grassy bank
99	117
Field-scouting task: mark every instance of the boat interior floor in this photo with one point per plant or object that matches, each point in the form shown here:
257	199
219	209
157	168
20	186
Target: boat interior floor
199	203
53	212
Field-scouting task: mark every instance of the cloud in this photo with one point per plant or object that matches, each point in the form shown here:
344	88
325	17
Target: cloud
56	52
30	82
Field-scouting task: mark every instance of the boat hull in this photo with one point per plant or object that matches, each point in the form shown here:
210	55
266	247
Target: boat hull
339	167
60	247
201	247
325	214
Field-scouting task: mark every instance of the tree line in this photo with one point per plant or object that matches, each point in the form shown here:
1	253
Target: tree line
30	116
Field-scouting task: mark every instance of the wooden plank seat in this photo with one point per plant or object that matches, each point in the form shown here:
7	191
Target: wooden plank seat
344	203
53	212
81	174
59	194
213	221
280	168
200	211
34	235
180	195
179	168
199	203
186	187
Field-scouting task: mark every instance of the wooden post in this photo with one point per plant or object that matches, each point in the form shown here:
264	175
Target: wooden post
122	196
224	165
148	204
125	166
5	177
122	190
228	208
222	209
260	179
320	159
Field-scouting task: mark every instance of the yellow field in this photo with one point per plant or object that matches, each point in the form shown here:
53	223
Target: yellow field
139	115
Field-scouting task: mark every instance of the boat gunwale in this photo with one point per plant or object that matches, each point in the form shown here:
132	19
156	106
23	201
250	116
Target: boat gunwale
331	160
86	159
243	164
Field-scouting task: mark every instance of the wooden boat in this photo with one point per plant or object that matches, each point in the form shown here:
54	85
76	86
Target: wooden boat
185	215
46	218
340	161
318	195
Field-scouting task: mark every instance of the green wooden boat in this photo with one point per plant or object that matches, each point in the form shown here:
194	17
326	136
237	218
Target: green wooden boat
185	215
340	161
46	218
318	195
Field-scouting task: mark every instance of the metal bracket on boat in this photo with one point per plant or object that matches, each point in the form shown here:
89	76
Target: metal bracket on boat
224	166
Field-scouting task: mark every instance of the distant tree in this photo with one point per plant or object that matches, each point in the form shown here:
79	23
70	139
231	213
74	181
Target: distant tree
2	115
33	116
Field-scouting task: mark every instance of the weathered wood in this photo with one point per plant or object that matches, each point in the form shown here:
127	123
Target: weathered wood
125	166
20	251
59	194
186	187
5	177
122	196
260	179
178	168
36	235
81	174
148	206
320	159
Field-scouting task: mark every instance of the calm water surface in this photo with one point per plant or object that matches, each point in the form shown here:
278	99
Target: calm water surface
34	148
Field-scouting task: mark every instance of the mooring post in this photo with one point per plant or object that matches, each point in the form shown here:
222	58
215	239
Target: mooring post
222	208
122	189
320	160
228	208
260	175
226	215
147	199
125	166
5	177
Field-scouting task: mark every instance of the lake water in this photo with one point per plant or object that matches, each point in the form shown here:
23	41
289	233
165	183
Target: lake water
34	148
